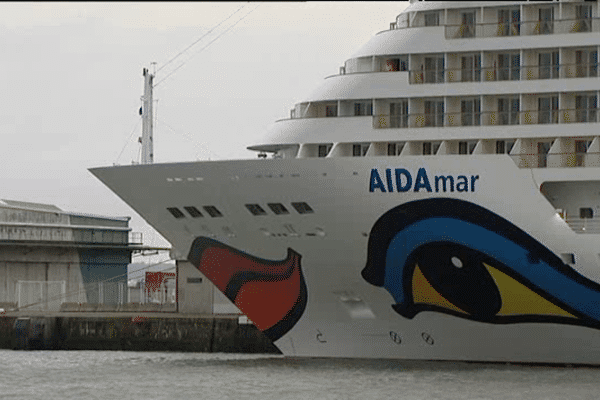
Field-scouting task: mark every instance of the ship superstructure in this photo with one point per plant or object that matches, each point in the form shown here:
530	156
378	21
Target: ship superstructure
438	198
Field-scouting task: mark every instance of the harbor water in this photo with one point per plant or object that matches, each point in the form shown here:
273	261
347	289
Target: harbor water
162	375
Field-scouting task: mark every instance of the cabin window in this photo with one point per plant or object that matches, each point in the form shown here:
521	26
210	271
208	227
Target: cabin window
548	110
470	112
255	209
331	110
399	114
581	147
585	106
193	211
471	68
392	64
213	211
508	110
363	108
176	212
504	146
586	213
584	18
586	63
465	147
500	147
508	67
432	19
394	149
278	208
324	150
548	64
509	22
434	69
467	27
426	148
546	21
434	113
302	208
543	150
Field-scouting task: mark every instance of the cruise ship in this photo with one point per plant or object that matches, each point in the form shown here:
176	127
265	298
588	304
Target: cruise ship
436	199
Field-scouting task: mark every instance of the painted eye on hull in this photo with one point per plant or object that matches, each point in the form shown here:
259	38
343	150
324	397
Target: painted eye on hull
456	257
469	286
477	290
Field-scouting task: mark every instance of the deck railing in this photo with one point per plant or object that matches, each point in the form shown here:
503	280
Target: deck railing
584	225
522	28
506	73
486	118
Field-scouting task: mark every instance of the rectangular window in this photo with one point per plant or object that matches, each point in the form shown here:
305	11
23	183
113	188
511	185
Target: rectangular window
548	110
586	63
584	18
213	211
403	63
585	106
543	150
356	150
434	113
278	208
549	65
471	68
462	147
500	147
176	212
394	149
586	212
434	69
255	209
324	150
508	67
331	110
392	64
504	146
193	211
509	22
470	112
363	108
467	27
399	114
508	111
581	147
400	63
546	21
426	148
432	19
302	208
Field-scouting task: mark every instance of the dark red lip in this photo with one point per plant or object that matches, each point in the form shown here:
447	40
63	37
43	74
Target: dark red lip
272	294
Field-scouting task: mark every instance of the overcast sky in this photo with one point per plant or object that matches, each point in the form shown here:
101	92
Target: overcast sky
71	81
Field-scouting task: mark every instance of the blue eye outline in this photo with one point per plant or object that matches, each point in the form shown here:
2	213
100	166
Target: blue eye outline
403	230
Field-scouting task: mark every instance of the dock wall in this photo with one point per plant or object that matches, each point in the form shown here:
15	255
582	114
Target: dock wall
137	333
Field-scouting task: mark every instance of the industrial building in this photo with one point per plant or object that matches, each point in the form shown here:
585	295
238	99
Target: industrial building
49	257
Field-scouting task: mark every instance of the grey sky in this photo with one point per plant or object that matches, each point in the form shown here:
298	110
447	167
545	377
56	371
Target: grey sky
70	85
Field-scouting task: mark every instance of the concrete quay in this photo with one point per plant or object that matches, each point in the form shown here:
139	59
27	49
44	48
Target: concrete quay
146	331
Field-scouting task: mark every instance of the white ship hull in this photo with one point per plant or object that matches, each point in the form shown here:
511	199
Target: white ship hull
548	311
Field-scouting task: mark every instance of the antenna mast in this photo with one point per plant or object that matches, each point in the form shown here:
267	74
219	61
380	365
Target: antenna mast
147	143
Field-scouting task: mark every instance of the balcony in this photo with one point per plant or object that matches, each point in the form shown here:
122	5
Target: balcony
523	28
451	119
509	73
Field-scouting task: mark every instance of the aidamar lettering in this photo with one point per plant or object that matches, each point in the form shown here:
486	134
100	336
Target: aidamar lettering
401	180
